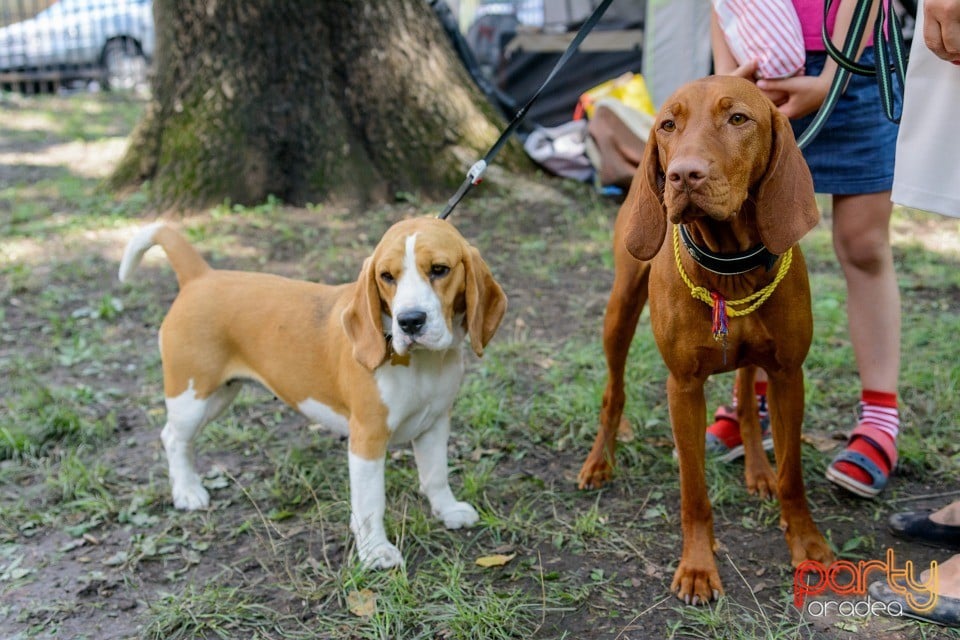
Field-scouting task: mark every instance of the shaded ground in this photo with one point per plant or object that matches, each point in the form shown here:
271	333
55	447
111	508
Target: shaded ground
90	546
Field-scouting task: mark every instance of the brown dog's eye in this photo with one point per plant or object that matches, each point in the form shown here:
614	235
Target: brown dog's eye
738	118
438	271
387	277
668	125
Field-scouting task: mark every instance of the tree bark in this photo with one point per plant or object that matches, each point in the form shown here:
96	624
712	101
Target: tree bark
307	100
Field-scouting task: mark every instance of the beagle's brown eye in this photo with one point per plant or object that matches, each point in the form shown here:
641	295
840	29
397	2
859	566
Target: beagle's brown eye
668	125
738	118
438	271
387	277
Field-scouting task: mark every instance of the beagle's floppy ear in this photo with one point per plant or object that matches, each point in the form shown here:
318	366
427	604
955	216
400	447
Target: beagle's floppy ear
786	206
362	320
486	302
647	218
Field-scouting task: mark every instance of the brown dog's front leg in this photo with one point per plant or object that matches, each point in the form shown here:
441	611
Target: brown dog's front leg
627	297
759	477
786	417
696	580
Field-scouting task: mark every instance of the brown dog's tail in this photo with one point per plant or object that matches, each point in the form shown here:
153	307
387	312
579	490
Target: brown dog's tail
187	263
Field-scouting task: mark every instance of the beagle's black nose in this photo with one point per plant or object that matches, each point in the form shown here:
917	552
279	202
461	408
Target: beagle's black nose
412	322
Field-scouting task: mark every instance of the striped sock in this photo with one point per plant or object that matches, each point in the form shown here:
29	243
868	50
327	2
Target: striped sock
879	411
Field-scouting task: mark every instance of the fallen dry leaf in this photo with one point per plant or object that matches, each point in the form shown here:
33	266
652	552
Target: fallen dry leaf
820	441
362	603
496	560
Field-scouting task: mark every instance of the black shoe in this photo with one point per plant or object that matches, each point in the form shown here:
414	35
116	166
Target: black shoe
918	527
946	611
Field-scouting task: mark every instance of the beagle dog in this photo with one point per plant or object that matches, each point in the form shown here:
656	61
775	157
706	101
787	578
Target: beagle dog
378	360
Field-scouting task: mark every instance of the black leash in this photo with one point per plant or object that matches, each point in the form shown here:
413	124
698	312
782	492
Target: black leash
884	46
475	174
846	61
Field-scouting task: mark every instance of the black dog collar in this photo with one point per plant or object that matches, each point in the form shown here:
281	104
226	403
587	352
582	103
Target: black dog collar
726	264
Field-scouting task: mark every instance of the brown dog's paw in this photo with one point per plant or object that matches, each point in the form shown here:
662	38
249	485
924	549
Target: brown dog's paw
597	469
696	585
761	481
808	544
810	548
595	472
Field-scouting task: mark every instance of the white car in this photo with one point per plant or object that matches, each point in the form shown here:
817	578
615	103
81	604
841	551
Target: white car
107	40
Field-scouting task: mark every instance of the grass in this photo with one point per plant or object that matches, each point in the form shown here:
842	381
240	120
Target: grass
210	610
84	498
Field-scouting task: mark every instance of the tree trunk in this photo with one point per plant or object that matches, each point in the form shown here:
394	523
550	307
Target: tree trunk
307	100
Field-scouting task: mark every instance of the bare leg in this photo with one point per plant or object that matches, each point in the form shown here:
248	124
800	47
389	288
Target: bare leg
948	577
949	514
861	239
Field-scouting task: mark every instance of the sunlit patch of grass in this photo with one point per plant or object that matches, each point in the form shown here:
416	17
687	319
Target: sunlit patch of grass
64	204
77	117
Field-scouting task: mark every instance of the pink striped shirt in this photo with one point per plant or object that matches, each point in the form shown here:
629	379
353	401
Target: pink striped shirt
768	31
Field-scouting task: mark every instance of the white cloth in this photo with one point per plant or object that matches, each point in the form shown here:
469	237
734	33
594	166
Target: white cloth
676	45
561	149
927	171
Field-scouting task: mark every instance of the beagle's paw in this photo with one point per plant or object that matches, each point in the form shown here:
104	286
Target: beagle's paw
458	515
379	555
190	495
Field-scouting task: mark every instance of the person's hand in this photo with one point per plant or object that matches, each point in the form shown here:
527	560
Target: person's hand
748	71
941	28
797	96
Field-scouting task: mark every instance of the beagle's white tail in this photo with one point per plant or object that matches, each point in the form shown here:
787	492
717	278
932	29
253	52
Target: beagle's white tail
186	262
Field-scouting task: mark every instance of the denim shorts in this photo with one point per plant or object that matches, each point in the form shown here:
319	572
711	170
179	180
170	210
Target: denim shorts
854	151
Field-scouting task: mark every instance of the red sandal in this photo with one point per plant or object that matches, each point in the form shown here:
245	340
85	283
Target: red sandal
885	446
723	436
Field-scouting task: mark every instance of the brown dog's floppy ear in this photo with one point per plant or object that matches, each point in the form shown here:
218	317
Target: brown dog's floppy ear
362	320
486	302
786	206
646	224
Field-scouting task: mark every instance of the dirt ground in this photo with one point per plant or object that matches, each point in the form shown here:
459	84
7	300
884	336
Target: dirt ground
77	577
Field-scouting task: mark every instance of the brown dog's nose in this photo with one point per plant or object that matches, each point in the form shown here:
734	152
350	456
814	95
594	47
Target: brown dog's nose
687	173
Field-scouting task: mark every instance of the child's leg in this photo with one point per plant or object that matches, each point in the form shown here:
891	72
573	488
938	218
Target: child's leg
861	239
724	441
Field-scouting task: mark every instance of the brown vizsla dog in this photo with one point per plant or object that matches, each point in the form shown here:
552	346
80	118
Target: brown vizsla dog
721	179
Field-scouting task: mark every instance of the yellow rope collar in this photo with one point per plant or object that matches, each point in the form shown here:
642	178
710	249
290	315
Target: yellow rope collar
722	307
757	298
